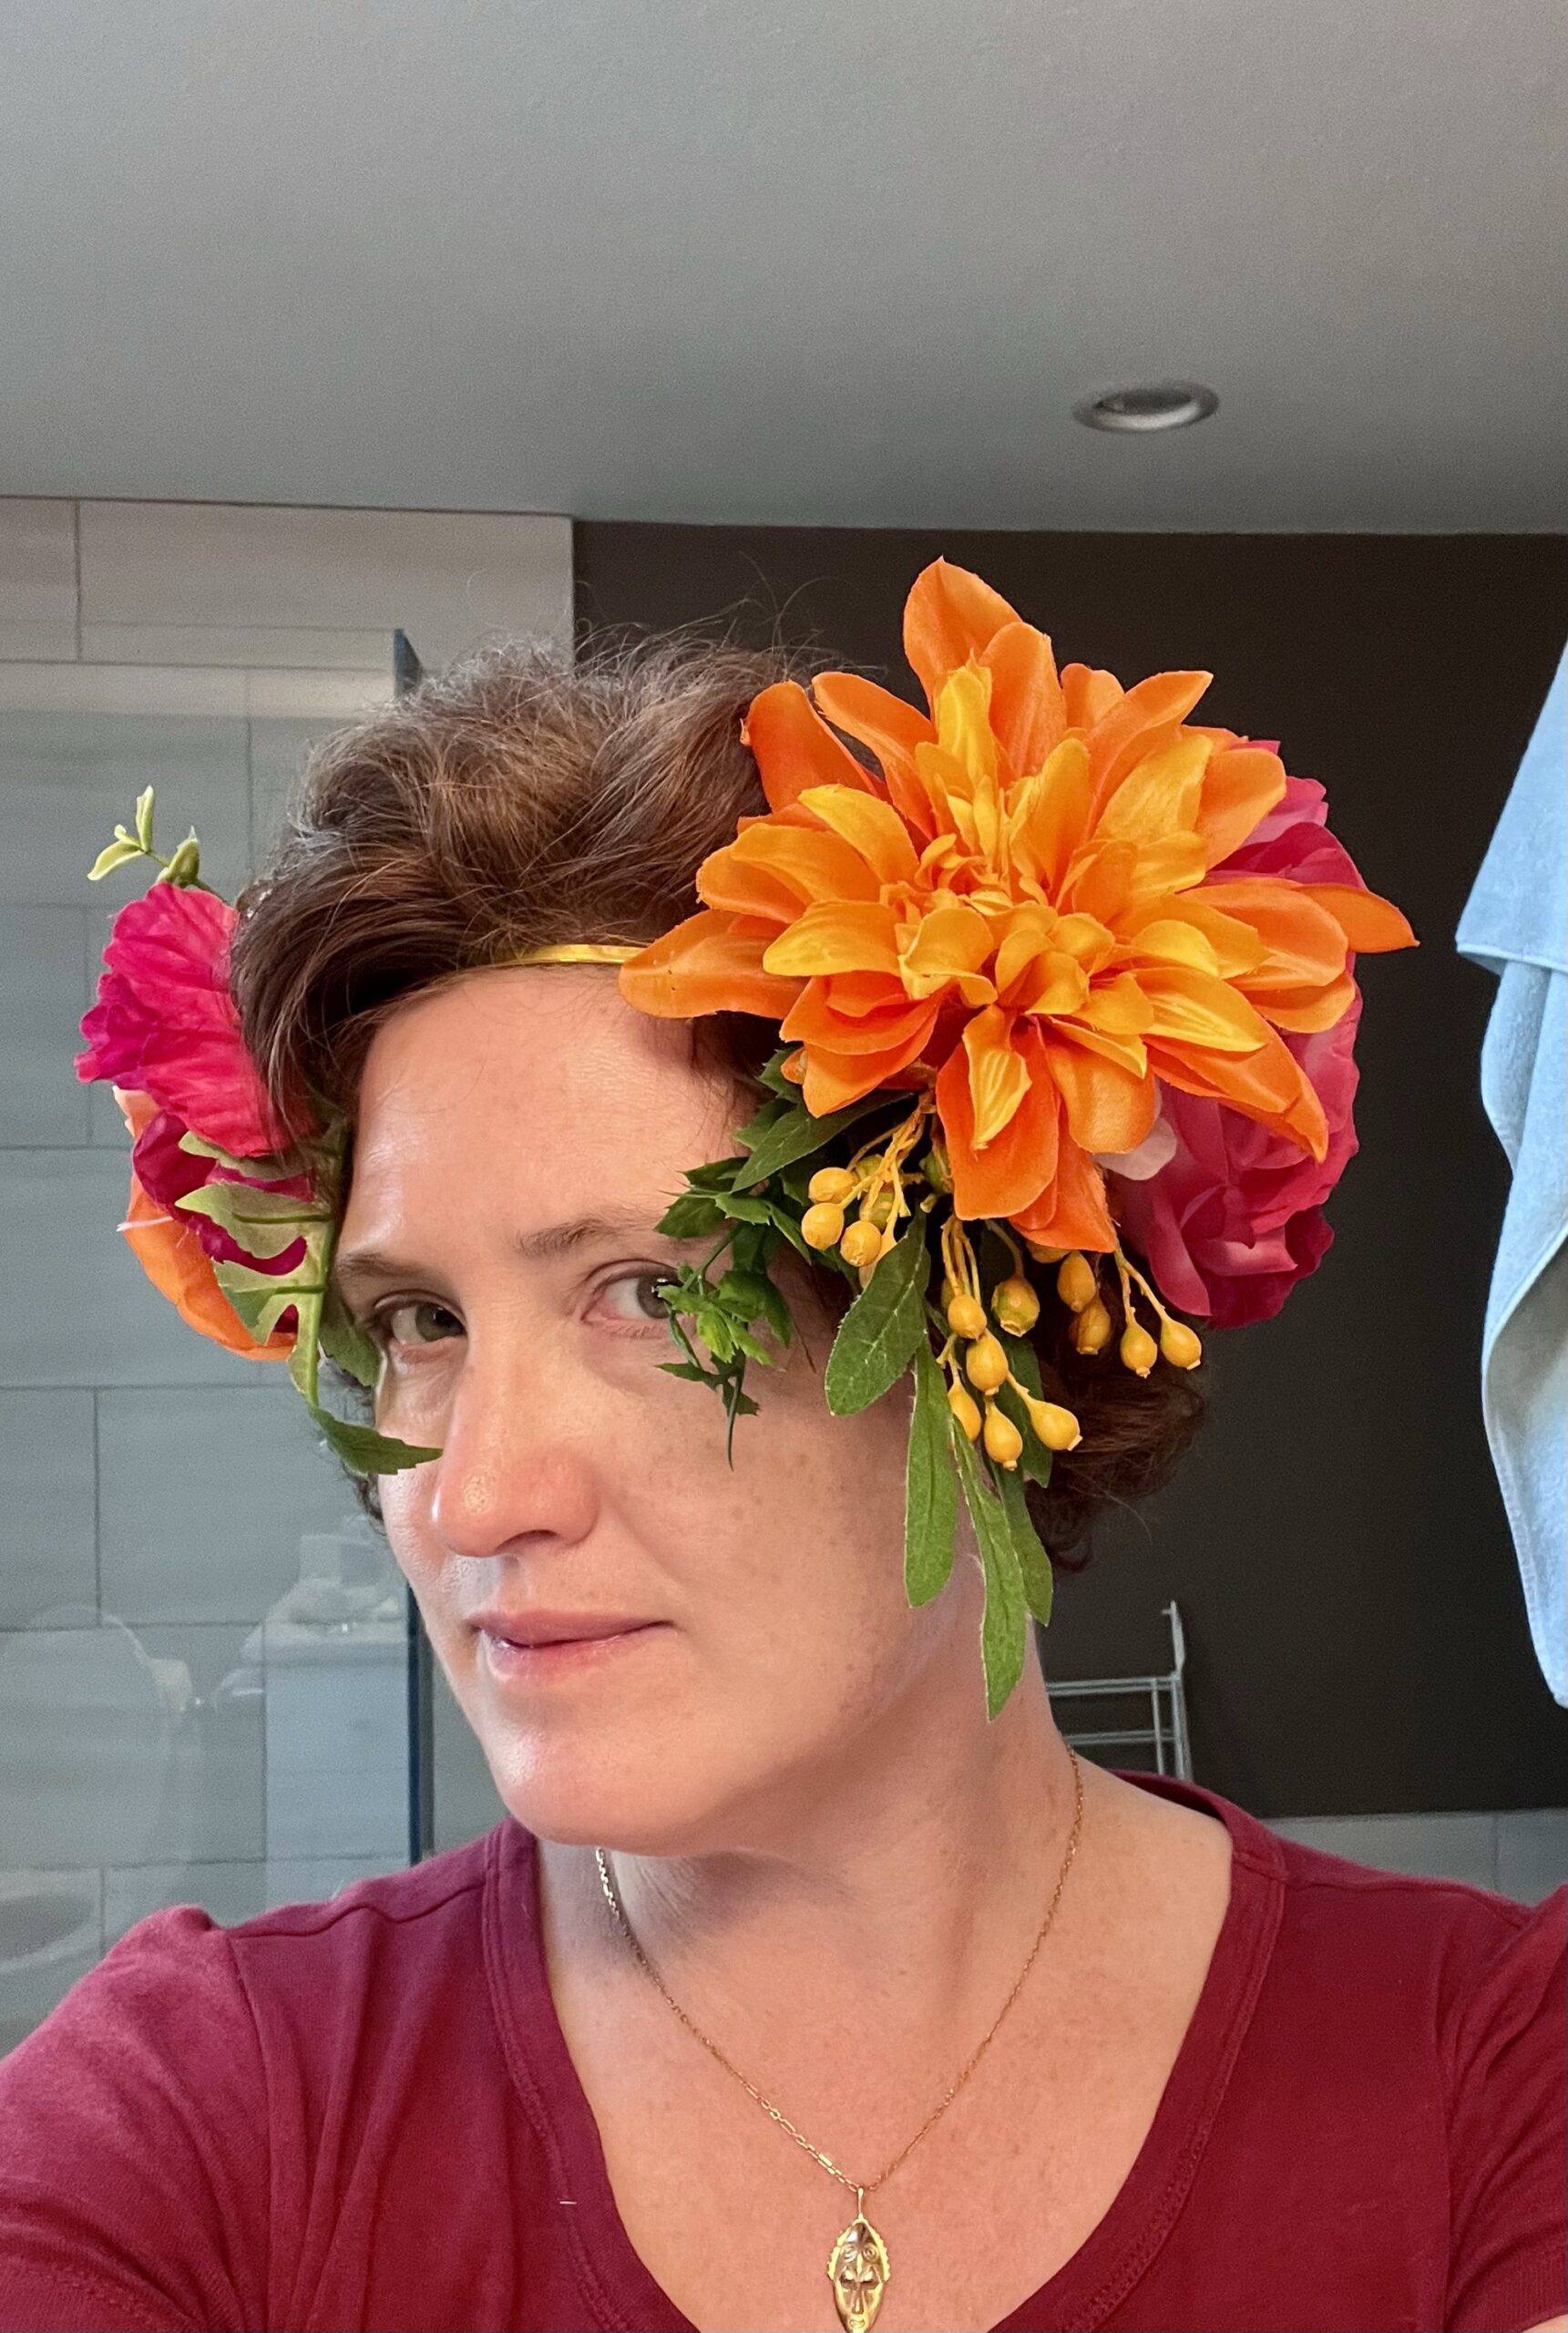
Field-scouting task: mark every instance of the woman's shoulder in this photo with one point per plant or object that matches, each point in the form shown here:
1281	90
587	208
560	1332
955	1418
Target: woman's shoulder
1320	1927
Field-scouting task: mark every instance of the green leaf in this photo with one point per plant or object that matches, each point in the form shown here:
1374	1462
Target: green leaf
771	1075
741	1206
877	1336
261	1297
718	1175
797	1135
695	1214
1033	1562
344	1341
1036	1459
265	1223
772	1111
113	855
930	1486
278	1167
364	1450
186	862
144	819
1004	1632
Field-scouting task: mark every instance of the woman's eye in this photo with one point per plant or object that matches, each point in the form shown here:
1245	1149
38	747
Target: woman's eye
635	1295
415	1315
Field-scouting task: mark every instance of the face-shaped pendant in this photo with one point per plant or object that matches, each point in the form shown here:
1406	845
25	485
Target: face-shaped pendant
858	2271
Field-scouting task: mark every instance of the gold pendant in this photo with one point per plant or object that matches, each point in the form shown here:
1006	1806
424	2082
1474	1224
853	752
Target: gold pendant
858	2270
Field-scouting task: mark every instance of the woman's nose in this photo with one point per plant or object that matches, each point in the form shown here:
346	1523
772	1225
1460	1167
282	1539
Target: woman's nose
515	1461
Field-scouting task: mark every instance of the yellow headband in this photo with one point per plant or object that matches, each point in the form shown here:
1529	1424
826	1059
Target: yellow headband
578	951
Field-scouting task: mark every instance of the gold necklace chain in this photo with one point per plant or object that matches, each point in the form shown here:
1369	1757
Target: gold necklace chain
858	2266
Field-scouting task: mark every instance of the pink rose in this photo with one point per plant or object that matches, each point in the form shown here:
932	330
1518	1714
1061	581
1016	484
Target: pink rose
165	1024
1236	1218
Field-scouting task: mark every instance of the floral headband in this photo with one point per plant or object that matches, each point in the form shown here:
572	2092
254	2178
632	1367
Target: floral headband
1063	971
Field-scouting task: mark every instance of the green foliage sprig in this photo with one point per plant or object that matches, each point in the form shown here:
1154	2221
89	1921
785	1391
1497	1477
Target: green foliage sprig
752	1205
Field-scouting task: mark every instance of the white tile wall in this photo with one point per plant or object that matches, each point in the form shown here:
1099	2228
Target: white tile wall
445	578
37	579
43	994
66	778
79	1310
1521	1853
204	1496
48	1494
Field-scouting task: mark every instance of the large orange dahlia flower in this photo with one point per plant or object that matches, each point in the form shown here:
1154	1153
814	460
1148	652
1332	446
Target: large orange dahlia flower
1024	907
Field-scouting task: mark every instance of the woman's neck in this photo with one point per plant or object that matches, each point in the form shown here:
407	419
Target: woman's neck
900	1897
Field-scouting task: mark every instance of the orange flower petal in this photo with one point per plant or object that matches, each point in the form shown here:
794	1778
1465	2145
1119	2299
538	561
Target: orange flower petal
1108	1109
949	942
832	1081
949	617
1305	941
1132	726
178	1267
1370	924
1241	785
1014	1168
793	749
835	936
870	826
1101	880
1119	1007
814	864
1308	1009
1194	1009
816	1020
1160	794
1049	814
1268	1085
1029	711
998	1077
1088	695
1072	1213
705	965
1156	933
746	888
889	728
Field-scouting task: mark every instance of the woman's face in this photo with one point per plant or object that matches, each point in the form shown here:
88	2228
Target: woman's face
519	1136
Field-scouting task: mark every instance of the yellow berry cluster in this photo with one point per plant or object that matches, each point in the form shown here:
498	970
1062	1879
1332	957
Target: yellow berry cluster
1015	1307
873	1183
1077	1285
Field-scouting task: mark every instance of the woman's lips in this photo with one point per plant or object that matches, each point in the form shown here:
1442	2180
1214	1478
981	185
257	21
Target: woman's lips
532	1662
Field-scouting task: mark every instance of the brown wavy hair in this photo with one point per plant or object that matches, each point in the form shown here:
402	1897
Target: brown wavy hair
521	797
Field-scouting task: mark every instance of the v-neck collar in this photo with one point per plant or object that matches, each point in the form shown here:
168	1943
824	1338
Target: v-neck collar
615	2281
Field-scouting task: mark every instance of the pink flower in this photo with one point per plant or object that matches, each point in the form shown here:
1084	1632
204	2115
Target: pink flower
165	1024
1236	1218
166	1174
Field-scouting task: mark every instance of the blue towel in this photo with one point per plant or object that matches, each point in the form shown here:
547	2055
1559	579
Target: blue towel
1515	922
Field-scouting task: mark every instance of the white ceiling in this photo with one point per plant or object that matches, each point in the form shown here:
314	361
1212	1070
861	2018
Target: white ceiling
831	261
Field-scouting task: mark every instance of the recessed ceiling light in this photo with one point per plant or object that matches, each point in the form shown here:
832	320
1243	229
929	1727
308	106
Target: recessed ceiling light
1150	405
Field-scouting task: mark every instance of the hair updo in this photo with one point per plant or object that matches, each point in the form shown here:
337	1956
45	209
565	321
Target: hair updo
522	797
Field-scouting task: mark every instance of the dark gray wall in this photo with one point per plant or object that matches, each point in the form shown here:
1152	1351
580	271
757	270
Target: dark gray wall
1337	1542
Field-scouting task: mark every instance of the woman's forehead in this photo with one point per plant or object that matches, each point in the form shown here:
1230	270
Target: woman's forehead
548	1064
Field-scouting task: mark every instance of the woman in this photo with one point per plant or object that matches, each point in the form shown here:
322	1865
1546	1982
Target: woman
878	2006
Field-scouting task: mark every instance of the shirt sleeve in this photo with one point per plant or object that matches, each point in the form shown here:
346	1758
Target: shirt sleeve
134	2148
1508	2147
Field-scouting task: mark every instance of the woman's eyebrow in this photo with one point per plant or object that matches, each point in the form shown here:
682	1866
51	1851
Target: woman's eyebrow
360	1266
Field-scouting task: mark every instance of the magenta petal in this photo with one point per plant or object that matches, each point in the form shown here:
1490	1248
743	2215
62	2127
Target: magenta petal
164	1022
1233	1220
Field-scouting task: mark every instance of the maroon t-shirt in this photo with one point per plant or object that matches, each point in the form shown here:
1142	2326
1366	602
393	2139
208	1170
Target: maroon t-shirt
363	2114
